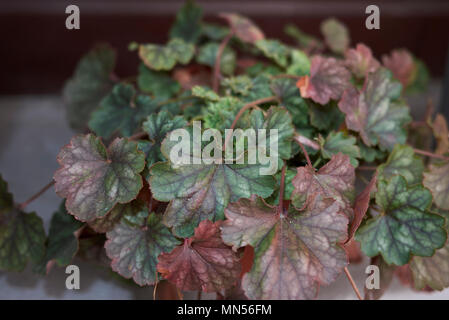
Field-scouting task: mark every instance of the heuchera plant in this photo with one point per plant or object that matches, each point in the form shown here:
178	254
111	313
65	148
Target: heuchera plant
354	177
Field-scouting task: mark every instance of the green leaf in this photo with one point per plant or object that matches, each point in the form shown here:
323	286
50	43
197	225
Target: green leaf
243	28
404	225
187	25
22	235
121	111
437	181
289	97
374	113
160	57
134	245
327	117
275	50
369	154
337	142
90	82
221	114
336	35
93	179
261	88
158	84
240	85
214	31
158	126
62	242
208	53
294	252
300	63
205	93
403	161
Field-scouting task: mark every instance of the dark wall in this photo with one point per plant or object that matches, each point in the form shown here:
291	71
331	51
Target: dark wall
38	53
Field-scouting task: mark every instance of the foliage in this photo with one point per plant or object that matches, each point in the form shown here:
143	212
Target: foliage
338	111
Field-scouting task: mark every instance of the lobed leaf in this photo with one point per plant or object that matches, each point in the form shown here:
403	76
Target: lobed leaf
94	179
328	79
187	25
404	225
295	252
243	28
361	61
135	244
342	142
203	262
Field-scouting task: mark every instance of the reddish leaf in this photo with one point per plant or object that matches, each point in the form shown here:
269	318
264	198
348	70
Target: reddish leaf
94	179
243	27
294	252
203	262
401	63
361	205
361	61
353	251
328	79
334	180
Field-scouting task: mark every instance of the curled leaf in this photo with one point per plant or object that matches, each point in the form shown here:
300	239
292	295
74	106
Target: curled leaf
93	179
203	262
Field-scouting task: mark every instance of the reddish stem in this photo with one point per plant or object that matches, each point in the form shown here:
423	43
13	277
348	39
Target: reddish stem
37	195
367	168
356	290
240	113
309	163
138	136
306	141
430	154
281	190
216	75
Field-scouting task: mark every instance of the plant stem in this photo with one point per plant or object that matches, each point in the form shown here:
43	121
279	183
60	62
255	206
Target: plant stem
309	163
37	195
281	190
216	74
356	290
306	141
240	113
138	136
430	154
368	168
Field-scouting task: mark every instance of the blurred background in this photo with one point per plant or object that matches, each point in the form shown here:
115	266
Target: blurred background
38	54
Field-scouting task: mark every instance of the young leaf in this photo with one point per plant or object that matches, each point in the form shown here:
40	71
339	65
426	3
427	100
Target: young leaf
205	93
22	235
203	262
437	181
122	110
373	112
333	180
220	114
243	28
336	35
404	226
158	126
295	252
90	82
62	242
160	57
328	79
94	179
240	85
134	245
300	64
361	61
208	52
342	142
403	161
187	25
275	50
